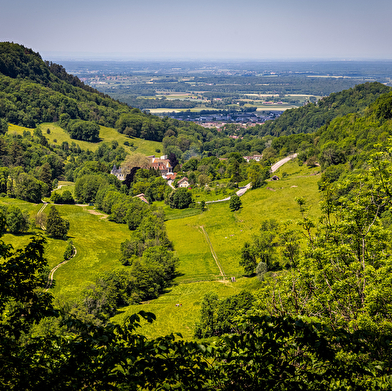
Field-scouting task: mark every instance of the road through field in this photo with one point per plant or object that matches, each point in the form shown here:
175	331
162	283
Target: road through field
280	163
243	189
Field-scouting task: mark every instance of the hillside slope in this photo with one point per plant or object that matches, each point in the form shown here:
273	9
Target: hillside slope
33	91
309	118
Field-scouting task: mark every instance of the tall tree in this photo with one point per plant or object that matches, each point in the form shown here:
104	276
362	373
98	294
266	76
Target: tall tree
55	225
16	221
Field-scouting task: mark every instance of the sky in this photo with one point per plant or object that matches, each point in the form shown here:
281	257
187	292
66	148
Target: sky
200	29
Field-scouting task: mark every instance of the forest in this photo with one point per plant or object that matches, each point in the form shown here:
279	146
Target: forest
318	314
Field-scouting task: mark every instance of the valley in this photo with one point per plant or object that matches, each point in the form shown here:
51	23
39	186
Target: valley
287	286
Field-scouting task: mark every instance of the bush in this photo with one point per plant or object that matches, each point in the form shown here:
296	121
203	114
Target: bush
69	251
180	198
261	269
56	226
235	203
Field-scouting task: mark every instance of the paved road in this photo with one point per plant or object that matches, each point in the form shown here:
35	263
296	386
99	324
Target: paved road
280	163
243	190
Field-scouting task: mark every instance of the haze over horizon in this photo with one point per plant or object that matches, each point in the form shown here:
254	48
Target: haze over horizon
203	30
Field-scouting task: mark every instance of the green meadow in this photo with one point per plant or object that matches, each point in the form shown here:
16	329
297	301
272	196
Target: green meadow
58	135
227	231
98	240
182	319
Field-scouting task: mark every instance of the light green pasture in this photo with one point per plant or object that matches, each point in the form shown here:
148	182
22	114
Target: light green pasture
182	319
96	239
145	147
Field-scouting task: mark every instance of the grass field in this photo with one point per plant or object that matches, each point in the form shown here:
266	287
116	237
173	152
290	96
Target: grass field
227	231
172	319
98	240
145	147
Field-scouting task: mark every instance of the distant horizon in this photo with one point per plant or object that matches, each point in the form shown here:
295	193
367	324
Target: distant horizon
56	56
206	30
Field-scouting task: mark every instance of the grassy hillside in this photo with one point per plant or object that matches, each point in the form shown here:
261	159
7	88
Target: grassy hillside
227	231
145	147
98	244
96	239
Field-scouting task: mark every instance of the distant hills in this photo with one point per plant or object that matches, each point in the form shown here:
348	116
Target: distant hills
309	118
33	91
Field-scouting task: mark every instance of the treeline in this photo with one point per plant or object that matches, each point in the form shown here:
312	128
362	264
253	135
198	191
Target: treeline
204	172
189	141
155	103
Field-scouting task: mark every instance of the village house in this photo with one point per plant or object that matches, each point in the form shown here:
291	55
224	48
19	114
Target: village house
118	173
142	197
256	158
163	165
183	182
171	176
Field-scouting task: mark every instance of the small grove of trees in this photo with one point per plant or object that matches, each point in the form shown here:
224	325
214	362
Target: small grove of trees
78	129
235	203
56	226
14	220
64	198
218	317
275	246
179	199
144	279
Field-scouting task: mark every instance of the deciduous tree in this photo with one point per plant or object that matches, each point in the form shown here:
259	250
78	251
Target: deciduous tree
55	225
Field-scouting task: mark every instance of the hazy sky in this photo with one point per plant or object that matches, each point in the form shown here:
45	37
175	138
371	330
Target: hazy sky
203	29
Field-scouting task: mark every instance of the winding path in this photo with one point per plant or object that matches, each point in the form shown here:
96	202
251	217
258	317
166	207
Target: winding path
51	274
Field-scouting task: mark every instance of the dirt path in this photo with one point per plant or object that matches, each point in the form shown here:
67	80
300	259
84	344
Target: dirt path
51	274
222	273
94	212
40	211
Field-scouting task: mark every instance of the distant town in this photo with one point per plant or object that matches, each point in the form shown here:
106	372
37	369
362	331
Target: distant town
218	119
